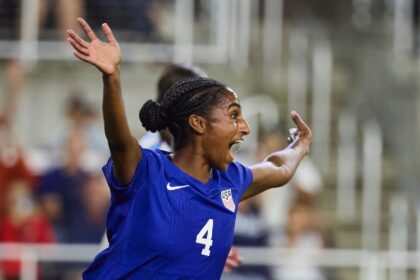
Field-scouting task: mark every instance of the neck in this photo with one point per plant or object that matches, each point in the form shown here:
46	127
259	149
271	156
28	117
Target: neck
193	163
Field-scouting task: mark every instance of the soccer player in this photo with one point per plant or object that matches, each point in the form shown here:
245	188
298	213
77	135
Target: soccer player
163	140
172	215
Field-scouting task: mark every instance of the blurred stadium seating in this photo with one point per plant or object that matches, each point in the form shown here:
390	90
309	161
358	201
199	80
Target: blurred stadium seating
350	68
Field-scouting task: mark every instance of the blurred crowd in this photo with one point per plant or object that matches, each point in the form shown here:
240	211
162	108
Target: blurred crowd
64	201
139	17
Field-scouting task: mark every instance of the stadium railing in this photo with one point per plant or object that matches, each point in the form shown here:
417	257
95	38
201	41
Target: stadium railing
372	265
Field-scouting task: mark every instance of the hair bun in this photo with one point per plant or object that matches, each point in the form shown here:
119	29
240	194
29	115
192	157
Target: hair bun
152	117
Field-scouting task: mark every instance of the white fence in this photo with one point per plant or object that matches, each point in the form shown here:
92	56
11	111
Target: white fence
229	26
372	265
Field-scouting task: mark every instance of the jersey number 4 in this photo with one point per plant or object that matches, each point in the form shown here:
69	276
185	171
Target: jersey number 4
204	237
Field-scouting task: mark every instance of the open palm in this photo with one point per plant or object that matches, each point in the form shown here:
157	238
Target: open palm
106	56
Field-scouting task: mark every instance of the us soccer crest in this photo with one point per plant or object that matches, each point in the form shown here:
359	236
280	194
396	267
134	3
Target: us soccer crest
227	200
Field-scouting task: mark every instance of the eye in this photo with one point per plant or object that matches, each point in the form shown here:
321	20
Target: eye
234	115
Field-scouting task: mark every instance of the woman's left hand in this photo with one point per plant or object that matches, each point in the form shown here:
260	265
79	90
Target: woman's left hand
304	135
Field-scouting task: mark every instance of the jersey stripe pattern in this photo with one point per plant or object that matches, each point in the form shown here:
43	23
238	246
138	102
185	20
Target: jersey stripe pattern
166	224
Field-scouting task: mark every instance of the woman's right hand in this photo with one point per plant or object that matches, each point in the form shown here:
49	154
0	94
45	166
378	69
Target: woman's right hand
106	56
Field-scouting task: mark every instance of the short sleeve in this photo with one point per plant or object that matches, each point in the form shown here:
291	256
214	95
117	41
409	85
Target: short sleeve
240	175
143	168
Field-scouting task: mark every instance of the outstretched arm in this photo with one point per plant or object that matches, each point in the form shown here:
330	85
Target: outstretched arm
106	56
278	168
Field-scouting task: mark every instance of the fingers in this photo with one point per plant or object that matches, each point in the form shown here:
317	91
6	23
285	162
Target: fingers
85	26
230	264
233	260
298	121
78	47
81	56
77	39
108	34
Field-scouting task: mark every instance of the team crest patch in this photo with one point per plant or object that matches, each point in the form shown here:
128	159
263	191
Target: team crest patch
227	200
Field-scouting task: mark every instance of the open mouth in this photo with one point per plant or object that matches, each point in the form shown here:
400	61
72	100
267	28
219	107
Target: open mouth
235	145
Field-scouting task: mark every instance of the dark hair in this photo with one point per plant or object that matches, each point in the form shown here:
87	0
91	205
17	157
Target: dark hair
196	95
174	73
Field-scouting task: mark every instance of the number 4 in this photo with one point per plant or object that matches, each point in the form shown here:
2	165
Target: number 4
206	241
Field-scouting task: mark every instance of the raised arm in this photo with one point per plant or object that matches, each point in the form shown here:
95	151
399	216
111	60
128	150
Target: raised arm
106	56
278	168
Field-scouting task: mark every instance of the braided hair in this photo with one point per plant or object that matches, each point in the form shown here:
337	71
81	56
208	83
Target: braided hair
196	95
174	73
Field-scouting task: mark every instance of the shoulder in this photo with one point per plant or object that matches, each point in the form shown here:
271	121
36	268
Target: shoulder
236	169
151	163
238	174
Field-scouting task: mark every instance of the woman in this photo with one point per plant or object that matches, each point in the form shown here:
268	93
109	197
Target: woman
172	215
162	140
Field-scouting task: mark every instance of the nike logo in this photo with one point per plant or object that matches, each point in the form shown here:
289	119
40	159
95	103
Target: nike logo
172	188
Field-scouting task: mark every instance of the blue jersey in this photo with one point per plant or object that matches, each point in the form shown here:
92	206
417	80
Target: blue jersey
168	225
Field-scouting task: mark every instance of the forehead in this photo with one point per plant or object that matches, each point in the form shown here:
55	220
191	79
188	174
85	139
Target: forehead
230	92
230	97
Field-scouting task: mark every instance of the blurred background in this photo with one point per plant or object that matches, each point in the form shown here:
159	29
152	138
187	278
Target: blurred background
350	68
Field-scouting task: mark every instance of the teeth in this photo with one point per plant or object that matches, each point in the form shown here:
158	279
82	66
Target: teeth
236	143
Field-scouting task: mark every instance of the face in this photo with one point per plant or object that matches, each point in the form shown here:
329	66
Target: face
226	128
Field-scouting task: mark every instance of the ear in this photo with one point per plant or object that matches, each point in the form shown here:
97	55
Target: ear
197	123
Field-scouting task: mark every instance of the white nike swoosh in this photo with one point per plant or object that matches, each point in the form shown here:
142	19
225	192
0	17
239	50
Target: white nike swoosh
172	188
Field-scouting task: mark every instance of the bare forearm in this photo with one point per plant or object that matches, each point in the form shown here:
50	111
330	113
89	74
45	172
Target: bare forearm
116	126
122	144
276	170
288	159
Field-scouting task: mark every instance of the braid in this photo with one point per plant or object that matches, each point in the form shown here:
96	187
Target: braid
152	117
184	86
195	104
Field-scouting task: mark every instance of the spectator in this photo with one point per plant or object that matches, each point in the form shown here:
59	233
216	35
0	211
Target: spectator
81	115
12	163
23	222
305	231
96	198
60	13
52	13
138	18
62	191
12	158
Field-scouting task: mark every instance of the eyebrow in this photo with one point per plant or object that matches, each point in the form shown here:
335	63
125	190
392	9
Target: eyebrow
234	105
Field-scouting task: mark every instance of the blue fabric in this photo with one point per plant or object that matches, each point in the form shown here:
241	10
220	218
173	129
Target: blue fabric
153	229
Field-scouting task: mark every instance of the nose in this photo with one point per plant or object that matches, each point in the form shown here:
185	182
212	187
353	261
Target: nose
244	127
